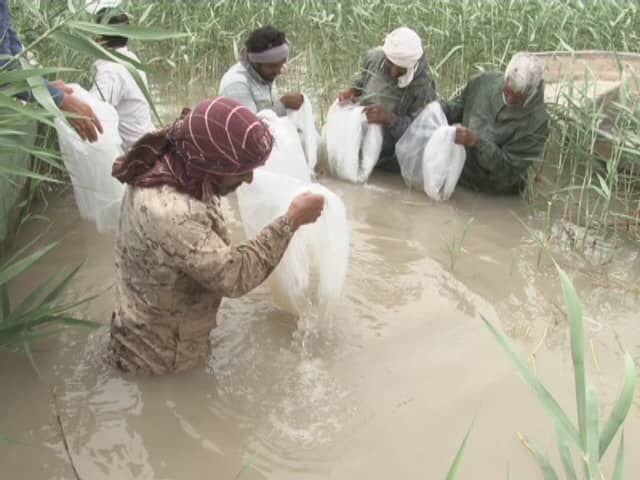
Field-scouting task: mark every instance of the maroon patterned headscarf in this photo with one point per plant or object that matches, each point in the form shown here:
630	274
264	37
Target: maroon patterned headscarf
219	137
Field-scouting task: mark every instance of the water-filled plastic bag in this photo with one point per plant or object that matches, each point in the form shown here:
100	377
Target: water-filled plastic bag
428	156
98	195
352	144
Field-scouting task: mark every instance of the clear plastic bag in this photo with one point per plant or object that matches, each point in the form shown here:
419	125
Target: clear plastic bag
304	122
352	144
287	156
428	156
98	195
312	272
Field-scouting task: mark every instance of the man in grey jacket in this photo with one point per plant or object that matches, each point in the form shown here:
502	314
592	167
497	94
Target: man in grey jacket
395	83
251	81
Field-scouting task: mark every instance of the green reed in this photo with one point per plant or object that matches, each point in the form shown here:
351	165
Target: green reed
594	186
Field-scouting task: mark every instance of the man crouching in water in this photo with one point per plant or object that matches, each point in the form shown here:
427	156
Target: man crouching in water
174	259
502	121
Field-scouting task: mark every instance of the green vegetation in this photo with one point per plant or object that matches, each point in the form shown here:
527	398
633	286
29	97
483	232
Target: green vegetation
42	312
590	438
587	183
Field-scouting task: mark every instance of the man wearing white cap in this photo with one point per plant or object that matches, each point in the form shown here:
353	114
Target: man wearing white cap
502	121
251	81
395	83
114	84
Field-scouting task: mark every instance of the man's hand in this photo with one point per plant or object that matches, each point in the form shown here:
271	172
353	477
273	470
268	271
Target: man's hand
348	96
86	123
466	136
377	114
304	209
292	101
60	85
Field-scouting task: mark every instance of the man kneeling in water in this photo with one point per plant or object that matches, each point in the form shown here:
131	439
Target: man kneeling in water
252	81
395	84
174	260
503	123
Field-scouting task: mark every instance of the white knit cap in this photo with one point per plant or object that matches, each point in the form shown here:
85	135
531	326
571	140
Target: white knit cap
403	47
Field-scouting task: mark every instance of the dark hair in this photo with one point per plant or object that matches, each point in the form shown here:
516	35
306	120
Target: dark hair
112	16
264	38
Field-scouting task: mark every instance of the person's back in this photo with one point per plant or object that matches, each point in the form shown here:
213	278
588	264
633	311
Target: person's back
151	288
114	84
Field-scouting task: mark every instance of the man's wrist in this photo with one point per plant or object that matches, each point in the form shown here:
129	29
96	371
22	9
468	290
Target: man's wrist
391	120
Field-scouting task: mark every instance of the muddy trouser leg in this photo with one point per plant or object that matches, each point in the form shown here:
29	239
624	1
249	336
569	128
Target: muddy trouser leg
388	161
389	165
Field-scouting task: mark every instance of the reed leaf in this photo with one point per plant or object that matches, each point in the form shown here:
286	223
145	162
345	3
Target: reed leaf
618	473
565	454
622	406
457	461
129	31
548	472
576	324
545	397
593	434
16	268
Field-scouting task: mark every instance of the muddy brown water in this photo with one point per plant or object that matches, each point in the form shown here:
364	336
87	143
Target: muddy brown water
385	388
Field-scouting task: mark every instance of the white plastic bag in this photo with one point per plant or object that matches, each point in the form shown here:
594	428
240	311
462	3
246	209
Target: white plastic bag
352	144
428	156
304	122
312	272
98	195
442	164
287	156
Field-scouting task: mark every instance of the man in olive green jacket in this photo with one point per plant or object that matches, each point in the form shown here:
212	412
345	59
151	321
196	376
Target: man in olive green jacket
503	123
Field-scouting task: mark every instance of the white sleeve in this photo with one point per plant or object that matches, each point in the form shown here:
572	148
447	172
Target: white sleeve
107	85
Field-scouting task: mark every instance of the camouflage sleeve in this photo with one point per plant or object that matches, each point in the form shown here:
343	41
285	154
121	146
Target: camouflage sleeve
233	271
191	237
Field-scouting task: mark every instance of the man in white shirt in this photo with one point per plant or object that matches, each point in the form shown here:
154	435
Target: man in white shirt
115	85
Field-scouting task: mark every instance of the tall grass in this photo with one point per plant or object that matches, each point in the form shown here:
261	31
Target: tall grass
595	187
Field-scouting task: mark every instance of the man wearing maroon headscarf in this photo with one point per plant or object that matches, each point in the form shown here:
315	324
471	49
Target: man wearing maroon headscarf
174	260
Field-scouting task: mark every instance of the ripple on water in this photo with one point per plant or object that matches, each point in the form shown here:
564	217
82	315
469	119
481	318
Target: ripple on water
278	378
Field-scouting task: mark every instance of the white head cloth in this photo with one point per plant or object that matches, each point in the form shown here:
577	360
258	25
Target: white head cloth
272	55
94	6
403	48
525	73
